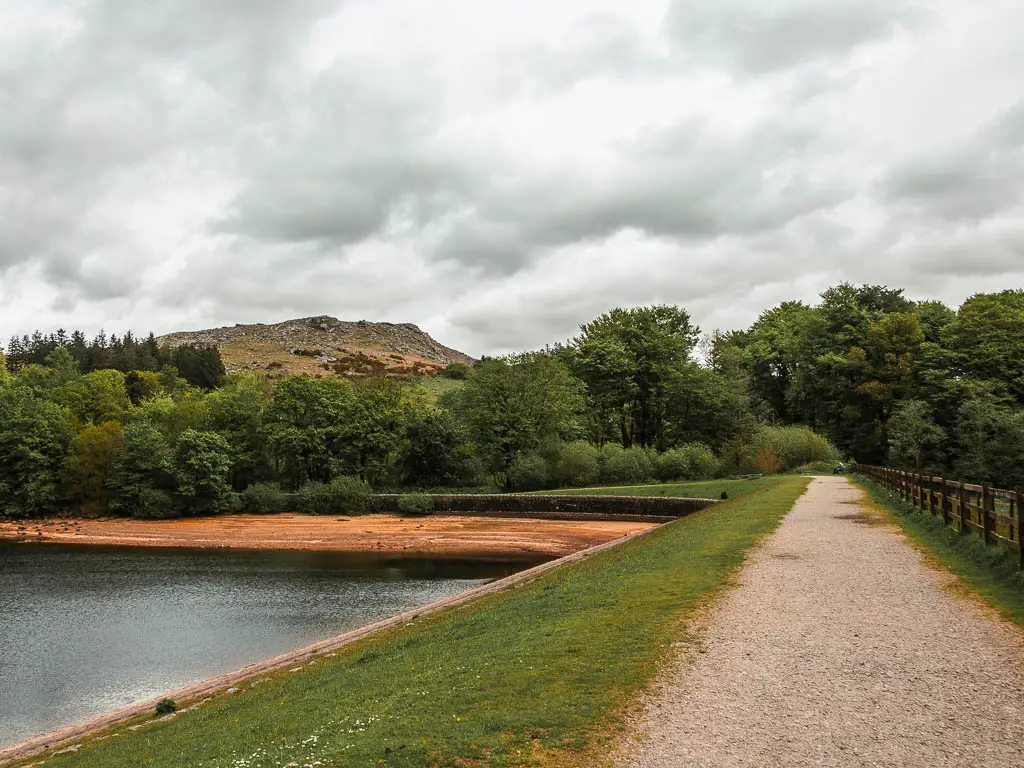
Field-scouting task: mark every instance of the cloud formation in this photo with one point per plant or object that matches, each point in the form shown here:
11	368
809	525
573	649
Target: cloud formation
499	173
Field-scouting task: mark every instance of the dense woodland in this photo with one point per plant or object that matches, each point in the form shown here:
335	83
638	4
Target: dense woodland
120	425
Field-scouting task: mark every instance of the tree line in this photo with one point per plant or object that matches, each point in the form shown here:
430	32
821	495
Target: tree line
913	384
637	395
199	364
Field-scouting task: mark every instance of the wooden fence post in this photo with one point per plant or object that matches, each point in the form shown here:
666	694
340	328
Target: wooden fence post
1019	496
987	504
931	495
961	498
945	501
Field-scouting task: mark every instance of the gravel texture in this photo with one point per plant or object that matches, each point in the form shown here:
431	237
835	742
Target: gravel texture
839	647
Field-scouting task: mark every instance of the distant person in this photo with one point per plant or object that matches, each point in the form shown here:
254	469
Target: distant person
839	469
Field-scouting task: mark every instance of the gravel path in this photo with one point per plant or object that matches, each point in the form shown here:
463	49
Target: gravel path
840	647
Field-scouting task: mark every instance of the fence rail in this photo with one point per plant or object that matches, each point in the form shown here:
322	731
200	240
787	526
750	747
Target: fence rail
995	513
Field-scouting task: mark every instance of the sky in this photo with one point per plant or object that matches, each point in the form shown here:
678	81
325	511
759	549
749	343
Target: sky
500	172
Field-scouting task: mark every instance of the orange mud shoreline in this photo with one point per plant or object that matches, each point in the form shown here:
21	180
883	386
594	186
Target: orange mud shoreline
437	536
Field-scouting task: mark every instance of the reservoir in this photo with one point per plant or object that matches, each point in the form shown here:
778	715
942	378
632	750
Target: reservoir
84	630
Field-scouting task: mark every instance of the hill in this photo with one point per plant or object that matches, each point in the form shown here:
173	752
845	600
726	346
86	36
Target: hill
324	345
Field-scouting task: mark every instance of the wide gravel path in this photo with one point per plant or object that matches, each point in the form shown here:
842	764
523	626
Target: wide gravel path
840	647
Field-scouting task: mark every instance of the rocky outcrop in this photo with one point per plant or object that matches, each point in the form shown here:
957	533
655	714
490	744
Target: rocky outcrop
324	345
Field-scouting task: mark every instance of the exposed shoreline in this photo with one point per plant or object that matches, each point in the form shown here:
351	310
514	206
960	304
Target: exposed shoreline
434	535
195	694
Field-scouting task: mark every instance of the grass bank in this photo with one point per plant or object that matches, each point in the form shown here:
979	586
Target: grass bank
529	676
700	489
989	572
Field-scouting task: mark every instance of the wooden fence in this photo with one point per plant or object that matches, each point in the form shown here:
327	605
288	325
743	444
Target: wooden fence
994	513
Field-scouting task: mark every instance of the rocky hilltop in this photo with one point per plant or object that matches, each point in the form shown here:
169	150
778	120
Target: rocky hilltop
324	345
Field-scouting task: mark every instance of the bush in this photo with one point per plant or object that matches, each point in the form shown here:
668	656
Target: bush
166	707
343	495
626	465
778	449
529	472
265	499
152	503
457	371
232	504
577	465
415	504
692	461
766	461
793	446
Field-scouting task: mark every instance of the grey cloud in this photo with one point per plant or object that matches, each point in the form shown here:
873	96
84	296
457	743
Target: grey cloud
401	186
973	179
361	152
84	114
764	36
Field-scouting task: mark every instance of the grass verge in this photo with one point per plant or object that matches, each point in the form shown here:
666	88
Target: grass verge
989	572
700	489
529	676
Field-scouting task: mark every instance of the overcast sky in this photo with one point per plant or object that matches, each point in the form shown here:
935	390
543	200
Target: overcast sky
499	172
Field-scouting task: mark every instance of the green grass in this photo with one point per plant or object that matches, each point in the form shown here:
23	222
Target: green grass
702	489
989	572
436	386
528	676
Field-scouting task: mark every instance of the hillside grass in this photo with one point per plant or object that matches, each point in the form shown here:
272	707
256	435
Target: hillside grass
989	572
529	676
434	387
698	489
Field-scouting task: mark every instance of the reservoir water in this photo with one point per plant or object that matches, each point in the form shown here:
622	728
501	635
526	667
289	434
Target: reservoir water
84	630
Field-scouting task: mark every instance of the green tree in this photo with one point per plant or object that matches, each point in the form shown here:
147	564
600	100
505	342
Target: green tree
96	397
436	451
511	405
300	426
142	385
914	437
35	435
235	411
627	359
988	339
64	366
201	463
989	440
142	478
199	364
94	452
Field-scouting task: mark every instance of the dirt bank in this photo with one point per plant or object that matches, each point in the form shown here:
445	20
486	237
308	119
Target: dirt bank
434	535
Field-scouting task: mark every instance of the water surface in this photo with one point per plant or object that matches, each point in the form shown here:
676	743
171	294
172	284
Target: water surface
84	630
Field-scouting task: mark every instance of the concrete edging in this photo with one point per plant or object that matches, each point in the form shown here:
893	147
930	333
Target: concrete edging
81	731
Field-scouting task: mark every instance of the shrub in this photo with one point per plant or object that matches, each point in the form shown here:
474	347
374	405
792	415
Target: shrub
152	503
457	371
692	461
766	461
343	495
314	499
232	504
414	504
626	465
529	472
792	446
578	464
166	707
264	499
